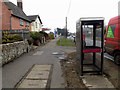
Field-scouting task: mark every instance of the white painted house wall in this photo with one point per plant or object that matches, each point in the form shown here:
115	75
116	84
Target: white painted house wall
36	25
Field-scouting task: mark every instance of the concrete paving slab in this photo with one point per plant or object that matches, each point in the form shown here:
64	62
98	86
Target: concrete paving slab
42	68
41	75
94	81
33	84
38	77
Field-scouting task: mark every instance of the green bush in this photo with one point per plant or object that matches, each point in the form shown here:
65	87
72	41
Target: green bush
44	33
17	38
36	36
32	35
5	37
8	38
30	41
51	36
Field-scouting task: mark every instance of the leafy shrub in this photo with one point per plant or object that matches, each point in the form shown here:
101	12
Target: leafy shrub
32	35
36	36
8	38
5	37
30	41
51	36
44	33
17	37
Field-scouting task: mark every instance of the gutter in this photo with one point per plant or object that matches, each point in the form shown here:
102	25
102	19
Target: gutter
22	18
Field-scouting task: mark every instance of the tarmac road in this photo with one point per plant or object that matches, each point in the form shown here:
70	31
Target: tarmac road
14	71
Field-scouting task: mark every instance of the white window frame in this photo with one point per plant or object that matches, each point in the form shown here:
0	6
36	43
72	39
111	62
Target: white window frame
21	22
27	24
36	25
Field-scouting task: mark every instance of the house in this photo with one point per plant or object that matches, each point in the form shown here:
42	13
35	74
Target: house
13	17
36	23
61	32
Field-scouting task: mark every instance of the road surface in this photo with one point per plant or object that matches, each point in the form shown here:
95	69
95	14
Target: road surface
14	71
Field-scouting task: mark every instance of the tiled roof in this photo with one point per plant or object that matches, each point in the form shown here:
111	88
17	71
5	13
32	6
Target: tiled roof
33	18
17	11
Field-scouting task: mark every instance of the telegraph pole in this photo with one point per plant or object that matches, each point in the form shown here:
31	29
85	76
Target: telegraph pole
67	16
66	27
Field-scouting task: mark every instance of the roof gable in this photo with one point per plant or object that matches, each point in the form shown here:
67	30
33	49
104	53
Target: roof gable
34	17
16	11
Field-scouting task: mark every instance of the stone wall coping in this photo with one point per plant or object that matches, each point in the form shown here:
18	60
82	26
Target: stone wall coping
13	43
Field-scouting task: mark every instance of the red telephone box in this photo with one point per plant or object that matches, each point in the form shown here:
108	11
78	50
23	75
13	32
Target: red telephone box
89	27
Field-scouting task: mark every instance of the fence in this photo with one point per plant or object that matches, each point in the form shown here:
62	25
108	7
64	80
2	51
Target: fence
25	33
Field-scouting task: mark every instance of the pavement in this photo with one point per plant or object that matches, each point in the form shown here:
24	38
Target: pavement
37	77
97	82
13	72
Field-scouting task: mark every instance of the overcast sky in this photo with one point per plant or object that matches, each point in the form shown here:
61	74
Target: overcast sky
53	12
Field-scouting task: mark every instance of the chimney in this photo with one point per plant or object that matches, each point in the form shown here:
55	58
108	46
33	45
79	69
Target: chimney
19	4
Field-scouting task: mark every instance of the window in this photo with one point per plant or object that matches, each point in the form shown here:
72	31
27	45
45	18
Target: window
27	24
39	25
36	24
21	22
111	31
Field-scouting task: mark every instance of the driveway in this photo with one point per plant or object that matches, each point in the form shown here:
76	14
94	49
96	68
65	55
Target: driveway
13	72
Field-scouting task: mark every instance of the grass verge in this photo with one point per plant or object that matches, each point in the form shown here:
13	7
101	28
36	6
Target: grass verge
65	42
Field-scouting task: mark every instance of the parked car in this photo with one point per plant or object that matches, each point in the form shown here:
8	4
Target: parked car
112	38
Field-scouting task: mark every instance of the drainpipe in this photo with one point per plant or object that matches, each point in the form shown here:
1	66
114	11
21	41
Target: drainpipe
10	23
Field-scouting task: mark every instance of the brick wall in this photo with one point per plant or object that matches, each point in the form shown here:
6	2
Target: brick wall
15	22
5	17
